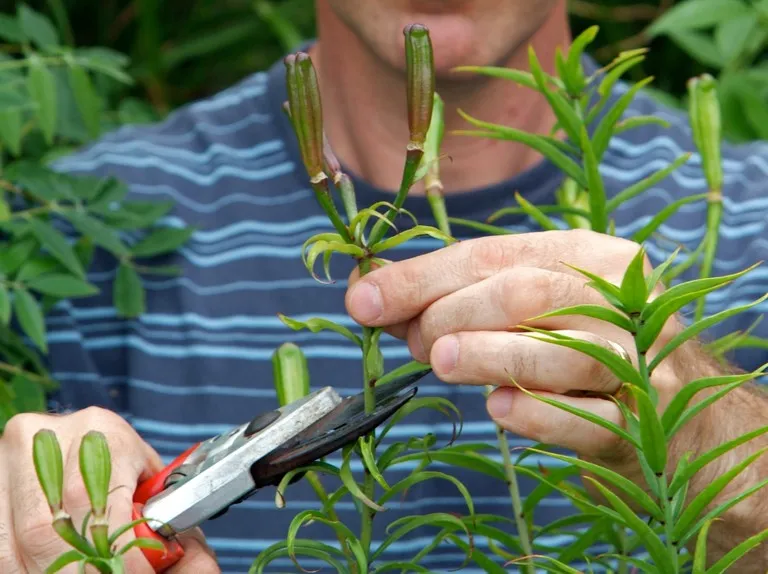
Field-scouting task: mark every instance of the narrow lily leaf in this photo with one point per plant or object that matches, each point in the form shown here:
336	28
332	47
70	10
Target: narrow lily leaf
409	234
366	450
5	305
535	142
605	128
586	415
652	542
479	226
593	311
148	543
64	560
345	474
402	526
536	214
423	475
677	405
692	468
639	122
736	553
691	412
439	404
563	209
611	292
654	323
408	368
544	489
613	73
290	476
698	327
658	272
470	461
691	287
594	183
317	324
318	550
314	516
652	436
566	115
634	291
709	493
645	184
58	246
30	317
517	76
574	74
623	369
649	228
637	494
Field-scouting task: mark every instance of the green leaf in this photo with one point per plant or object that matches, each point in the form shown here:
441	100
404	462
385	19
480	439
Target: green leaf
11	124
63	560
611	292
413	232
86	98
644	184
40	181
566	115
62	286
128	292
652	437
10	29
733	35
99	233
638	122
5	305
479	226
317	324
623	369
148	543
511	74
594	184
709	493
652	542
369	458
691	468
42	90
737	552
535	142
29	394
57	245
30	317
345	474
343	531
634	291
290	373
37	266
657	220
536	214
696	15
676	408
691	287
408	368
574	74
594	311
586	415
37	28
637	494
310	548
605	128
699	47
421	476
658	272
163	240
699	326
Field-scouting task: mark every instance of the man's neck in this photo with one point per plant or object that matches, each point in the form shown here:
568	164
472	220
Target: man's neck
364	108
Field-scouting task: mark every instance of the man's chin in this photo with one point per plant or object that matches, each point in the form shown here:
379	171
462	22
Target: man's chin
453	38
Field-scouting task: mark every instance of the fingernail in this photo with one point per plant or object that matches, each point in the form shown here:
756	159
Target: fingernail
365	302
499	404
445	354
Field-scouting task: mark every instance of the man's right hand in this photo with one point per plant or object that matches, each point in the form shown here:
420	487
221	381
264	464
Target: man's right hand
28	543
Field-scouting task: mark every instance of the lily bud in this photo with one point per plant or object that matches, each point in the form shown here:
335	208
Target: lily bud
96	470
49	466
704	112
290	372
306	112
421	82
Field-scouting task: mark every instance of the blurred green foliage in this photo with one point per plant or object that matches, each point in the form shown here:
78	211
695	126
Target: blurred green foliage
181	50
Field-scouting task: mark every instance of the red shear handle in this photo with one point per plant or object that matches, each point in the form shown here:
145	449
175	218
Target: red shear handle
173	552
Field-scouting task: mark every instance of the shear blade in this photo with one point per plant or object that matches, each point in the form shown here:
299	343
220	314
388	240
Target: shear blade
342	426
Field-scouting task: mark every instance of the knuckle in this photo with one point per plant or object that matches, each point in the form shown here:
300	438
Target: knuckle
21	426
485	257
35	535
74	493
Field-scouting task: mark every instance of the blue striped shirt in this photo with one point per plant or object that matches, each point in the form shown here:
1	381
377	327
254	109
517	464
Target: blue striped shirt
198	361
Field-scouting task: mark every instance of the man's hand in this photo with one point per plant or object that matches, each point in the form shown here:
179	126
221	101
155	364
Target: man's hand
28	543
458	309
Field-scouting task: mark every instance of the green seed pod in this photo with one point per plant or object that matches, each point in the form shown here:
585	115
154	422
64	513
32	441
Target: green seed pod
291	374
96	469
306	112
704	113
49	466
421	82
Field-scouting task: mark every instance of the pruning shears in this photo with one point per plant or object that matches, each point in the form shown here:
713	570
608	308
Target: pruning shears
205	480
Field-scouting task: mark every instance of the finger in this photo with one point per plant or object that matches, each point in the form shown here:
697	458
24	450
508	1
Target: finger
399	330
497	358
533	419
198	556
10	561
502	302
401	290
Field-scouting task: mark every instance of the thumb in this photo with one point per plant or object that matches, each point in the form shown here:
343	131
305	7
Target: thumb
198	556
